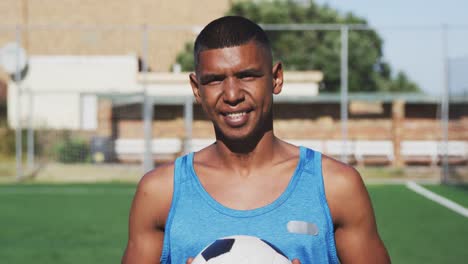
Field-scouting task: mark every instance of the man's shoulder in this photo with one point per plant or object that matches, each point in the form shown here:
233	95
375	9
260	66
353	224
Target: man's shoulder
342	181
344	188
340	177
158	180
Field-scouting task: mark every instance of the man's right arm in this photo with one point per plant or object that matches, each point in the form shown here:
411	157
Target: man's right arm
148	214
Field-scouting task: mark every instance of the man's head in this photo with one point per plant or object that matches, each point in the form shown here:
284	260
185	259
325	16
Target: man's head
230	31
234	79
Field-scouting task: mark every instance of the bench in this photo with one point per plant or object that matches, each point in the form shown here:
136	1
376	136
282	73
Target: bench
419	151
373	151
197	144
161	148
335	148
308	143
457	151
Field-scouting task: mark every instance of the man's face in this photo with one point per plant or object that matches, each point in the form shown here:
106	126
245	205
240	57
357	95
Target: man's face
235	86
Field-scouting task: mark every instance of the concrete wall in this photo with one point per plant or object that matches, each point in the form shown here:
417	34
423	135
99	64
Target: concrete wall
54	90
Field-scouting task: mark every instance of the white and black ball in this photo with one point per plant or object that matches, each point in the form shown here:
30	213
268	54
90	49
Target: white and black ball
241	250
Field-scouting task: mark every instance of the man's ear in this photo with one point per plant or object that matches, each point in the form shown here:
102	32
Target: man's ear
195	87
277	78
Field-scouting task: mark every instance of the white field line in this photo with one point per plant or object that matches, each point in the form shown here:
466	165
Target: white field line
437	198
66	190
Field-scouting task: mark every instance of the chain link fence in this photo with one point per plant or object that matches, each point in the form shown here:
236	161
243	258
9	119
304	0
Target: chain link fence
107	101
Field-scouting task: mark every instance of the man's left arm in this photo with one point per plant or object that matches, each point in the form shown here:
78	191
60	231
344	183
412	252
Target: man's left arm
356	236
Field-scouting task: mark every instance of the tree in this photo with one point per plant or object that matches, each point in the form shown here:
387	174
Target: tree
319	49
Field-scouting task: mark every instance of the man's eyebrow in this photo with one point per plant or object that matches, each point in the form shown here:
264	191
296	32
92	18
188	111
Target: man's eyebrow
206	78
249	72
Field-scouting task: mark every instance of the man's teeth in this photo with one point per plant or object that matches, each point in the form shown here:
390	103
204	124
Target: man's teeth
236	114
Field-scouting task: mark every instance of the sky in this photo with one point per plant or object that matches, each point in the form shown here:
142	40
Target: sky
413	36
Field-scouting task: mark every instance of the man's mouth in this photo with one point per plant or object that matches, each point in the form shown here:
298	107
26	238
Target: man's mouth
236	115
236	119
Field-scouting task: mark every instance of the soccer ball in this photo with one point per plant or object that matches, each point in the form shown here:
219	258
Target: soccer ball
241	250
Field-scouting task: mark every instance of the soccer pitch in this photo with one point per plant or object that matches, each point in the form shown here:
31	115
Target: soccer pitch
83	223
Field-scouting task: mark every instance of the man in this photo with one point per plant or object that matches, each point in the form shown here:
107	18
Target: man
249	182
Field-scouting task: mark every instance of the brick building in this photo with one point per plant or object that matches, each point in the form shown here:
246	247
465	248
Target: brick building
388	128
107	27
115	28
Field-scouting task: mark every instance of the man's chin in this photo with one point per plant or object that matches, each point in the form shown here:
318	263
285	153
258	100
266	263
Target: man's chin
235	137
242	141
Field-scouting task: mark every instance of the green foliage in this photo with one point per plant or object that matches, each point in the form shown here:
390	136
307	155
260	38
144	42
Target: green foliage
320	50
8	142
185	58
72	151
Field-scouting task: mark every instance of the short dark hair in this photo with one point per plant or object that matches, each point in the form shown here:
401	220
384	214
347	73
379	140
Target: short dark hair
229	31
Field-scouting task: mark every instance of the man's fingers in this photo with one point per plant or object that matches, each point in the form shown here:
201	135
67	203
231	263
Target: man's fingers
189	260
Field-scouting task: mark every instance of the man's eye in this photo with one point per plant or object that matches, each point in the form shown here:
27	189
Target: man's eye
214	82
247	78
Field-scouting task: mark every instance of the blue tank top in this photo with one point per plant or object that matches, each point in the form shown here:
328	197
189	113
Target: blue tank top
298	222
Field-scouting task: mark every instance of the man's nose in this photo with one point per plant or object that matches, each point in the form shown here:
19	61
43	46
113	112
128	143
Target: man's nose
233	93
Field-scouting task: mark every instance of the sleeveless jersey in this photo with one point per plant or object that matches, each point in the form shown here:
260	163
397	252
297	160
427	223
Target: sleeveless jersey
298	222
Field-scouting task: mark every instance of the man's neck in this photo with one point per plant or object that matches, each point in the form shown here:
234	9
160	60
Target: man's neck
246	161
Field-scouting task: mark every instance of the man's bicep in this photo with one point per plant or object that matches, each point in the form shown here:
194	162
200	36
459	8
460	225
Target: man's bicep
147	220
144	238
144	248
357	238
360	244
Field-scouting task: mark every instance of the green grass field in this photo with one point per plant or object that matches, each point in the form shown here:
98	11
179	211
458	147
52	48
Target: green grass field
458	194
88	223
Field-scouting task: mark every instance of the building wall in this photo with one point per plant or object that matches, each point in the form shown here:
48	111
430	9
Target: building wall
82	27
306	121
56	92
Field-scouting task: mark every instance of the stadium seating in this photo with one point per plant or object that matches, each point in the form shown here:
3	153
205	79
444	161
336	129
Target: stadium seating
197	144
360	151
419	151
161	148
335	149
373	151
313	144
457	151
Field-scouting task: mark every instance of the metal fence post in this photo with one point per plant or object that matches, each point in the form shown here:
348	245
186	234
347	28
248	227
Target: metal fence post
188	119
18	134
30	139
445	107
344	92
147	106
